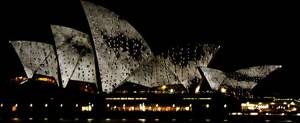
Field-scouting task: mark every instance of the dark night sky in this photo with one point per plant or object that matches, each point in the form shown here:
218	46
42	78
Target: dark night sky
249	33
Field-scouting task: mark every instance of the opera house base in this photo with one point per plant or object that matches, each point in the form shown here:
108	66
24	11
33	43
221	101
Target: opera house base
56	104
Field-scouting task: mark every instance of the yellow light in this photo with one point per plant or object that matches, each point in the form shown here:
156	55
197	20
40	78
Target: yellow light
172	90
107	105
159	108
207	105
173	105
204	98
253	113
197	90
1	105
43	79
86	108
294	109
284	103
187	108
163	87
14	108
177	108
292	103
223	90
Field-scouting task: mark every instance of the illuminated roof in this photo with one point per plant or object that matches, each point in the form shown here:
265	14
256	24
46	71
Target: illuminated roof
120	49
259	71
214	77
244	78
75	55
154	73
37	57
186	58
121	52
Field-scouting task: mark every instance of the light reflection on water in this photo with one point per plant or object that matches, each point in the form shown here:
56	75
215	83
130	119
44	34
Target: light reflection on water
141	120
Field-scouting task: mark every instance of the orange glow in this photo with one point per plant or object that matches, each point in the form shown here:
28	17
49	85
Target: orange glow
14	108
153	108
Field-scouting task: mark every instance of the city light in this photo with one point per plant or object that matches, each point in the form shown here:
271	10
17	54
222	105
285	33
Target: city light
223	90
253	113
61	105
163	87
292	103
14	108
1	105
86	108
31	105
207	105
46	105
172	91
225	105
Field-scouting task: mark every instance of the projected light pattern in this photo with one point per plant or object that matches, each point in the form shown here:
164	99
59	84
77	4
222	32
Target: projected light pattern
214	77
192	53
37	58
124	56
186	58
120	49
258	71
75	55
153	73
176	66
244	78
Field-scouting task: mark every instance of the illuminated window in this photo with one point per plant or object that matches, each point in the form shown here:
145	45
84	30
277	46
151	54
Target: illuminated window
207	105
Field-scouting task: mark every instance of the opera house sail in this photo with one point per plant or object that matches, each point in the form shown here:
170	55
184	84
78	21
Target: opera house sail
154	73
246	78
75	55
176	66
116	53
37	58
120	49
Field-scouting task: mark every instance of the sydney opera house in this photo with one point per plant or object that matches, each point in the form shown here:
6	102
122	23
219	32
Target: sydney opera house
113	69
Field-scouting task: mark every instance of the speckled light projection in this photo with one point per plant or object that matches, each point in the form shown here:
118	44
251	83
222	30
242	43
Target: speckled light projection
154	73
244	78
120	49
177	65
75	55
37	58
214	77
185	59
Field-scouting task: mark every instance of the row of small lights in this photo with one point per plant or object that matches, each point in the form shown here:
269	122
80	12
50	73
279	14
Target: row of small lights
46	105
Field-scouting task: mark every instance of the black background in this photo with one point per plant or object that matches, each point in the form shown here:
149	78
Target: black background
250	33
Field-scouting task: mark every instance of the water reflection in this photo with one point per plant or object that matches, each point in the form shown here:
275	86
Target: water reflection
143	120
